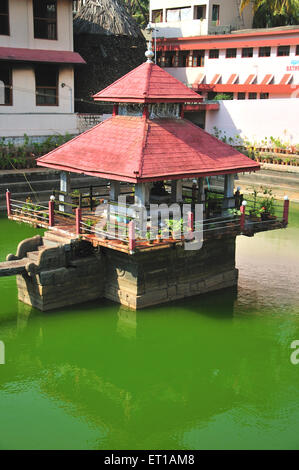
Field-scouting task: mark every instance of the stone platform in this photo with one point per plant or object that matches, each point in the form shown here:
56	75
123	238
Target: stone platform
64	272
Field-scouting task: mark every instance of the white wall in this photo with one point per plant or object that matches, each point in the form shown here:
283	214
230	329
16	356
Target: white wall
16	125
257	119
261	66
21	27
23	94
230	18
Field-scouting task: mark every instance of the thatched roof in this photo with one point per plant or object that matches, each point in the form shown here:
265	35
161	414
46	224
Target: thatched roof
106	17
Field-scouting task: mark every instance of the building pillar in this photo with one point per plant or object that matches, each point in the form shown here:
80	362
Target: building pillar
65	186
114	190
177	191
142	192
229	200
201	190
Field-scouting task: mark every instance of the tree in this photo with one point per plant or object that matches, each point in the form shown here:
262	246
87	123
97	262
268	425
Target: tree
269	13
139	9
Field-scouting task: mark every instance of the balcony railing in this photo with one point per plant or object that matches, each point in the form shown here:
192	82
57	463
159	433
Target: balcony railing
121	226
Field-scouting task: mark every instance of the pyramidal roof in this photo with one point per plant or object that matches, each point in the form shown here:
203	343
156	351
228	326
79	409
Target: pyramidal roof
147	83
136	149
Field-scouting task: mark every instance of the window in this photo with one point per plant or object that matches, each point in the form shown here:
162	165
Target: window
5	85
231	53
241	96
264	51
4	18
159	58
46	84
214	54
297	50
252	96
45	19
283	51
179	14
211	95
200	12
215	14
247	52
198	59
183	58
169	60
264	96
157	16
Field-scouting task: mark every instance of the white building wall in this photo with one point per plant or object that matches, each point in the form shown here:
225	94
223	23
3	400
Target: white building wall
261	66
24	116
256	119
21	27
230	18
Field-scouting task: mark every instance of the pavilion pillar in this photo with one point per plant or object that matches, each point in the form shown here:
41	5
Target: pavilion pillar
142	193
65	186
177	191
229	201
201	190
114	190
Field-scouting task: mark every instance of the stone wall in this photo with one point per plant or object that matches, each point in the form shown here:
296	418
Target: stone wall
66	275
151	278
108	58
59	278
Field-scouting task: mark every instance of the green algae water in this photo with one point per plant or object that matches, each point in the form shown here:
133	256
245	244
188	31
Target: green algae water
211	372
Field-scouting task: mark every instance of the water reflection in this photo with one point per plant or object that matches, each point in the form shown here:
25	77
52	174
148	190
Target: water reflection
207	372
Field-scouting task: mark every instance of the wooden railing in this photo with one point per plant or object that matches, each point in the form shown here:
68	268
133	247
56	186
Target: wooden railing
125	227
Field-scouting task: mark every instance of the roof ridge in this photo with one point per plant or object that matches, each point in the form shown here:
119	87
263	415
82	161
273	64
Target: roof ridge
148	76
143	144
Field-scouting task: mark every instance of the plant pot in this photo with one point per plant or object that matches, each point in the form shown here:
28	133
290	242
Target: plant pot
265	216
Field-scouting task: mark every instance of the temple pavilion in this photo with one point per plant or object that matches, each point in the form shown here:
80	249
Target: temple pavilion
147	141
150	151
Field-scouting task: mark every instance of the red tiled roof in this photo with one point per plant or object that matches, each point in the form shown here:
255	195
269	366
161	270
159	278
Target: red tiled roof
40	55
136	149
147	83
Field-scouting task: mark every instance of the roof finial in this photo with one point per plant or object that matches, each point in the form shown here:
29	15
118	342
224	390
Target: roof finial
149	53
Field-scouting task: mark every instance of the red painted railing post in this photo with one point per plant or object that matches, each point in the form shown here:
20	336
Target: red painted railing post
8	203
78	220
242	218
51	213
132	241
190	225
191	221
286	206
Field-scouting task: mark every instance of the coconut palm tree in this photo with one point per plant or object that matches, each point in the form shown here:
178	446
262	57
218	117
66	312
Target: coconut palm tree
269	13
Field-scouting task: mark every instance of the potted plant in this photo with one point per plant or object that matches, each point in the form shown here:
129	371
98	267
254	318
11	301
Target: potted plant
148	237
267	209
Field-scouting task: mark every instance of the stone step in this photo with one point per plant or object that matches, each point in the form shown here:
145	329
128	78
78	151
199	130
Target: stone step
49	243
33	255
258	183
271	179
57	237
11	268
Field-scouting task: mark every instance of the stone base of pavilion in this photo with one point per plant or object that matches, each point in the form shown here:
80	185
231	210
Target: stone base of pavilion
58	275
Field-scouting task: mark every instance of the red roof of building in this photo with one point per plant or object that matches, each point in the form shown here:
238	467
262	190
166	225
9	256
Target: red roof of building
136	149
14	54
147	83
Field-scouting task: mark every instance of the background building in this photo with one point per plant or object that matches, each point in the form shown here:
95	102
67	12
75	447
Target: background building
256	69
37	68
184	18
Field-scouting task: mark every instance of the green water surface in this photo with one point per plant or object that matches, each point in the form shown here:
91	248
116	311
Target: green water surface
211	372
